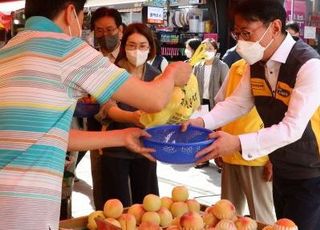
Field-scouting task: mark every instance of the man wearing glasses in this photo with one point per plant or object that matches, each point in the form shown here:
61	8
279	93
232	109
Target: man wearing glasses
106	24
108	29
282	81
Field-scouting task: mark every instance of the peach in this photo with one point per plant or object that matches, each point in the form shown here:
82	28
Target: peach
165	217
175	222
178	209
246	223
285	223
113	222
173	227
113	208
209	209
268	227
193	205
137	210
151	203
209	219
166	202
226	224
180	193
224	209
148	226
191	221
91	219
127	221
151	217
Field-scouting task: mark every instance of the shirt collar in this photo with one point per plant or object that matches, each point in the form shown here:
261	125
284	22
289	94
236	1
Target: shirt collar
115	53
282	53
40	23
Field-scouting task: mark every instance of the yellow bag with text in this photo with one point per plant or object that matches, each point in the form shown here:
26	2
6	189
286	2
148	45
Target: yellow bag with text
184	101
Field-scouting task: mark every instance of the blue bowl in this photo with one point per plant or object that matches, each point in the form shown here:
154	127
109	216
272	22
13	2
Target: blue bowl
176	147
86	109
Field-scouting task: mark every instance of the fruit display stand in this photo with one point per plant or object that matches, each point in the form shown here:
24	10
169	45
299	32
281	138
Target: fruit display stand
80	223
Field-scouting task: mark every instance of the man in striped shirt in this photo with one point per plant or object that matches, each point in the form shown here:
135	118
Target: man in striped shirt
43	71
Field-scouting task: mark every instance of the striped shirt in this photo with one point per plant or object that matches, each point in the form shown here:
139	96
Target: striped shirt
42	74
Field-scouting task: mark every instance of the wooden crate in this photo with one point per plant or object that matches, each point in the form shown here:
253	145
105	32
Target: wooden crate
79	223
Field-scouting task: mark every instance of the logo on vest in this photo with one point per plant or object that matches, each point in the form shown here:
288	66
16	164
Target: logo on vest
283	92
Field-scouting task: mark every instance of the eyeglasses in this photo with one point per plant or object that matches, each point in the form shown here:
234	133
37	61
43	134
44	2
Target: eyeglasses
133	46
245	35
108	30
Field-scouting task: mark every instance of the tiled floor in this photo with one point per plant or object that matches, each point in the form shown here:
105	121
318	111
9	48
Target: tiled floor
203	184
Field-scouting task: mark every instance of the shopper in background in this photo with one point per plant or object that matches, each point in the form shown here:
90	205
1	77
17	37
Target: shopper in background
159	62
210	74
127	176
293	29
49	58
191	46
282	81
108	30
245	181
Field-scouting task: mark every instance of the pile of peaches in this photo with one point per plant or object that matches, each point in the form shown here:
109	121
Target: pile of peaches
176	213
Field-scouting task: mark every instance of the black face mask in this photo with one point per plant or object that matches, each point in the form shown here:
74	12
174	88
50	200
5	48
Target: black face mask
108	43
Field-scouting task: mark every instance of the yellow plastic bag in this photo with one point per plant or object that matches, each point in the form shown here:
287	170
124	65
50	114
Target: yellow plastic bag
184	101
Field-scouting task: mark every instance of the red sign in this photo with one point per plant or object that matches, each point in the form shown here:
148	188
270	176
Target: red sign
5	20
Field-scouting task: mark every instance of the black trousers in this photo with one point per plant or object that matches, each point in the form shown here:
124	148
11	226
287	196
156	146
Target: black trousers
128	180
298	200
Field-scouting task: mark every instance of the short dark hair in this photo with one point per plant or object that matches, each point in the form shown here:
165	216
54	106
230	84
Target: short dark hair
106	12
293	25
50	8
194	43
139	28
261	10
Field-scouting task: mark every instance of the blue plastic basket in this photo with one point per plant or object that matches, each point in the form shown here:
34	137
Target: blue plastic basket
176	147
86	109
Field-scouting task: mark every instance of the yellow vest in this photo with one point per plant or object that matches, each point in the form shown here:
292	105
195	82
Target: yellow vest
248	123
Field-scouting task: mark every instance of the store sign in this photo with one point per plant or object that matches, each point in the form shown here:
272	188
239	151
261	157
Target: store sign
315	21
310	32
154	15
5	21
299	12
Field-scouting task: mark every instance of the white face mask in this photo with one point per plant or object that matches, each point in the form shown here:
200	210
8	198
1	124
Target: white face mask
79	27
137	57
210	55
188	53
252	52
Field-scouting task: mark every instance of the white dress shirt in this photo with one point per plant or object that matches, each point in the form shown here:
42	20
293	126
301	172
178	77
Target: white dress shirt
206	81
304	101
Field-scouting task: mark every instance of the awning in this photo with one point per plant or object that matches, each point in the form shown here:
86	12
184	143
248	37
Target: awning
91	3
8	6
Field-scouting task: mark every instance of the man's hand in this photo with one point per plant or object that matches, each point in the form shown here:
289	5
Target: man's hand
132	142
180	71
224	144
267	171
135	116
195	122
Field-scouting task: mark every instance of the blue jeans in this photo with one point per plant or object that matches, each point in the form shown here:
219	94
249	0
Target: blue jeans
298	200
